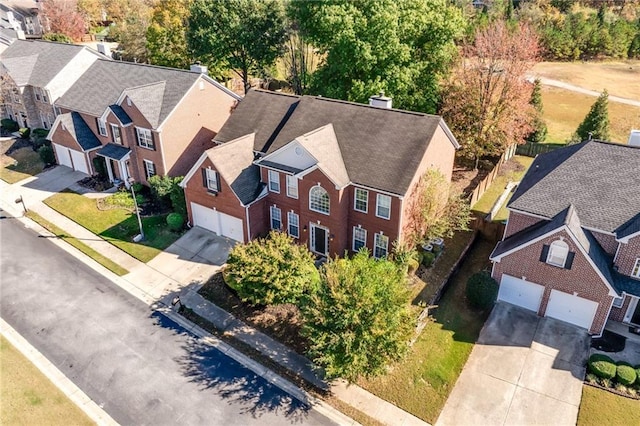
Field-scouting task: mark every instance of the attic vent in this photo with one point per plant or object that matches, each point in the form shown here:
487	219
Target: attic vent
380	100
128	101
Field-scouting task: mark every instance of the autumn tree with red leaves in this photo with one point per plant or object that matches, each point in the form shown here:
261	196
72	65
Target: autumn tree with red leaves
486	100
63	17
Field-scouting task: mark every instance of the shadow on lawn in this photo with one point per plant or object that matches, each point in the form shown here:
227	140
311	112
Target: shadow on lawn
211	369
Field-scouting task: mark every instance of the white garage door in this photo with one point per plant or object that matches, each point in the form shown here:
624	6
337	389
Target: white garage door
521	293
79	161
220	223
64	157
572	309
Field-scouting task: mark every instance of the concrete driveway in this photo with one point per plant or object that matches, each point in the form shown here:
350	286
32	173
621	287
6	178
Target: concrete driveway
40	187
523	370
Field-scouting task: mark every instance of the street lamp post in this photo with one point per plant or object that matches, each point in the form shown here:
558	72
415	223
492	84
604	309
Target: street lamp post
140	236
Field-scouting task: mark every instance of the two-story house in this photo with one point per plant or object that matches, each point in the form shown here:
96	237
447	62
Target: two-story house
142	120
571	248
35	74
334	175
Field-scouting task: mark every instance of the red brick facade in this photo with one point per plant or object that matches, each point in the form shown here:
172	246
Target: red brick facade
517	222
628	255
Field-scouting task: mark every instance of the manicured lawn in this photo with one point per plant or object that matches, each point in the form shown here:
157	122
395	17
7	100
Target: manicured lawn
19	165
29	398
118	226
104	261
421	383
600	407
513	170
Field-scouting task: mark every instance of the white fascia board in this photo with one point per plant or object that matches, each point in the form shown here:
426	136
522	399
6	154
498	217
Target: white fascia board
54	127
449	134
193	169
222	87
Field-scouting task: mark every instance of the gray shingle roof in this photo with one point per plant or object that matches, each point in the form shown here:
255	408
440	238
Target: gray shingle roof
37	62
79	130
601	179
114	151
381	148
103	83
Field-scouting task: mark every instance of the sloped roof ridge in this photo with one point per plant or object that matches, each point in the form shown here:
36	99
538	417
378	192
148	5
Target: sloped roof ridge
270	92
140	64
142	86
361	105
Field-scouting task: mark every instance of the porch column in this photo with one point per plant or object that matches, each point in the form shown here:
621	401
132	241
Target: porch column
109	171
123	172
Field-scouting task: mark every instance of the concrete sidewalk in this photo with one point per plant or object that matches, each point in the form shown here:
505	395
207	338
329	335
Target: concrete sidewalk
157	289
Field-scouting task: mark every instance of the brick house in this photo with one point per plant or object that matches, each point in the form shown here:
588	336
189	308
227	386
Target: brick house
35	74
334	175
571	248
142	120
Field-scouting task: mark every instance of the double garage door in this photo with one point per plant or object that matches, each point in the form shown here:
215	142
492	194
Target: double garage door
563	306
71	158
220	223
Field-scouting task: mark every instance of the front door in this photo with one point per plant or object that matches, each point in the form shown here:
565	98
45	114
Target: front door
635	318
318	240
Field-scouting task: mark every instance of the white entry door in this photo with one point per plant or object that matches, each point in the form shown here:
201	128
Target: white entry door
63	155
521	293
572	309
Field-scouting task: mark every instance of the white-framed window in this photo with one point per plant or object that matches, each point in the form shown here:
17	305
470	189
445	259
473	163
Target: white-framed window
618	301
36	92
45	96
211	177
45	121
558	252
383	206
116	135
292	186
102	127
361	200
276	218
293	222
381	246
149	168
635	272
144	137
274	181
359	238
319	200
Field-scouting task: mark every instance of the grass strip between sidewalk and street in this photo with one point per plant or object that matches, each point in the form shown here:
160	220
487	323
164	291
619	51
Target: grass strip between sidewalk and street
28	396
599	407
59	233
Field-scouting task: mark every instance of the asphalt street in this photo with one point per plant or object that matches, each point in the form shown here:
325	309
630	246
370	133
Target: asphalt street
138	365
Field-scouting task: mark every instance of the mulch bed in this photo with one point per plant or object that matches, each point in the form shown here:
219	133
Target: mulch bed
281	322
95	184
19	143
609	342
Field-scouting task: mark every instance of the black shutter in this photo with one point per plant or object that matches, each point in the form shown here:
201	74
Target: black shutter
569	262
218	184
153	140
204	178
545	253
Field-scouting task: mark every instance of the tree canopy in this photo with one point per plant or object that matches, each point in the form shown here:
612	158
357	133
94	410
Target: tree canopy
596	123
246	36
64	18
166	35
539	132
400	47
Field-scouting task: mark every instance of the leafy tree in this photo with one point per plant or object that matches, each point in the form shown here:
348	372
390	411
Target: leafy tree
58	37
273	270
486	101
596	123
178	202
539	133
246	36
166	35
92	10
64	18
300	60
435	210
481	290
401	47
132	18
359	320
46	155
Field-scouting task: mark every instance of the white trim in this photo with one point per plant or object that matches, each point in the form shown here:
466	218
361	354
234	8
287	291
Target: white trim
297	216
449	134
353	237
561	246
355	200
246	215
328	213
276	181
102	125
400	221
193	169
635	265
628	237
312	237
272	208
615	256
150	137
378	204
216	179
375	239
145	163
631	309
113	134
295	180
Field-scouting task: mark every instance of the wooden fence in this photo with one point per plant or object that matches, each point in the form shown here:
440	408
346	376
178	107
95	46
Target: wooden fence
533	149
488	180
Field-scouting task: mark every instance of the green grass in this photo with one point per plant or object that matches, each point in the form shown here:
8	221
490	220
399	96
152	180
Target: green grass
21	164
600	407
29	398
117	226
422	382
513	170
58	232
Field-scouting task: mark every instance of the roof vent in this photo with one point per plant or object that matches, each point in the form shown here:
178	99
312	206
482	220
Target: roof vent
104	49
199	68
380	100
634	138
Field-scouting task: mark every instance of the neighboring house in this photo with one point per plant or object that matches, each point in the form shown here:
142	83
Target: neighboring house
8	36
334	175
142	120
571	248
35	73
22	16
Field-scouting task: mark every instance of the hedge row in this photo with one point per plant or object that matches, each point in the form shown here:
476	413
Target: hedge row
606	368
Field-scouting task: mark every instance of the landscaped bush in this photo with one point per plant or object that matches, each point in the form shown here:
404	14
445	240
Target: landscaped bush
9	125
46	155
482	290
272	270
602	366
428	258
25	132
160	190
625	374
412	265
178	203
39	133
175	221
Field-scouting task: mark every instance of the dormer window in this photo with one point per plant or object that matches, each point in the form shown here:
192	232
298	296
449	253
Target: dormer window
558	252
635	272
319	200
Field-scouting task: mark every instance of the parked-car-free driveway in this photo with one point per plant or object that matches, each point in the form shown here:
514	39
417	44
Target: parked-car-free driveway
524	370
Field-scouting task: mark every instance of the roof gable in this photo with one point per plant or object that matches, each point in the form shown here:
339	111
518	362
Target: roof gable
73	123
148	100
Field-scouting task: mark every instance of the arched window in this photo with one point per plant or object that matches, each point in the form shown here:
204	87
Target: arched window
319	200
558	252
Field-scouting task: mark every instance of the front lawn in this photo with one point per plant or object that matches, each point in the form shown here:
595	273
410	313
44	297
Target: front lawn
421	383
117	226
599	407
28	397
18	164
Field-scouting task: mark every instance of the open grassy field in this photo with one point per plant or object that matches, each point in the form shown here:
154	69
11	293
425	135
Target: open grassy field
28	397
600	407
564	111
620	78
